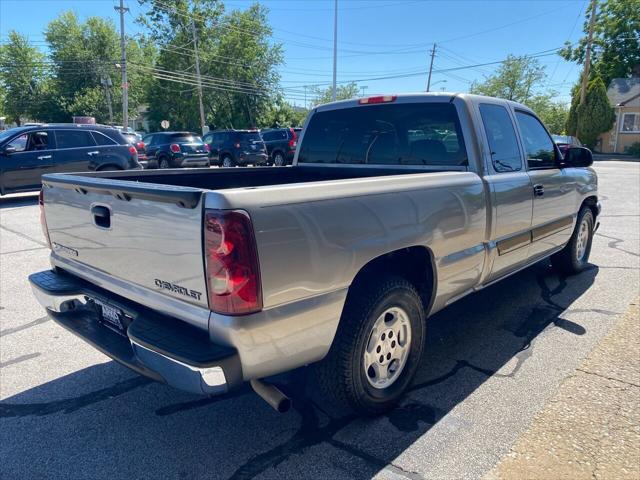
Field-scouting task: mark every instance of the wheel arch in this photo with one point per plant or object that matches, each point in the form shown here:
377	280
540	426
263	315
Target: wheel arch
108	166
403	263
592	203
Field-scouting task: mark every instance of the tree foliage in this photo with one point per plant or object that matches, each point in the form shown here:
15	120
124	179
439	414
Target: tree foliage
237	61
521	79
21	77
616	41
85	59
282	114
595	116
343	92
516	79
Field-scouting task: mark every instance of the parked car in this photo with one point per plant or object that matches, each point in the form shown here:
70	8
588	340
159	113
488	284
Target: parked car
565	142
26	153
230	148
135	139
281	144
336	261
175	149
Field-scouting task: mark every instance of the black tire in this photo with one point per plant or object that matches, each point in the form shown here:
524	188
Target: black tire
227	162
104	168
574	257
163	162
341	375
279	160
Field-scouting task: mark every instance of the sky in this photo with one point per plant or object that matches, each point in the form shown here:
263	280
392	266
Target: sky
383	45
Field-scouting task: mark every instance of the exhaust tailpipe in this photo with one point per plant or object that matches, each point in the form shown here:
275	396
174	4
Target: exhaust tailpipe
272	395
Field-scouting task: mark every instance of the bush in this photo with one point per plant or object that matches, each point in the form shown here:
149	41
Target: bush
634	149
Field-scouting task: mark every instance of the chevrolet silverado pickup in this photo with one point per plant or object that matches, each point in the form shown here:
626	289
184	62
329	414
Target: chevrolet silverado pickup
395	207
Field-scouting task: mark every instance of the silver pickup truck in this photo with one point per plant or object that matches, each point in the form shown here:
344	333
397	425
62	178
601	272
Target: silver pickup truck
395	207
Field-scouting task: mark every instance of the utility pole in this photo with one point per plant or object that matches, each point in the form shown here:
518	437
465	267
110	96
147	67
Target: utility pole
433	54
305	97
199	80
587	58
106	81
363	87
335	48
125	85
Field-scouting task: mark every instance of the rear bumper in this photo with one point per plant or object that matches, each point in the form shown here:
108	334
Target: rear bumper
253	159
195	161
156	346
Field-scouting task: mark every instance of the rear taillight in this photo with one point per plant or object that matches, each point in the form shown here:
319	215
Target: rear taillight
43	219
140	145
233	275
174	147
132	150
293	142
379	99
207	147
237	145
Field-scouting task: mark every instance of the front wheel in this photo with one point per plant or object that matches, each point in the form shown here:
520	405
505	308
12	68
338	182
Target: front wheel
377	348
574	257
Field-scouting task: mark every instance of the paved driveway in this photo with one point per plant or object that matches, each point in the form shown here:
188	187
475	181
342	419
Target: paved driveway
493	359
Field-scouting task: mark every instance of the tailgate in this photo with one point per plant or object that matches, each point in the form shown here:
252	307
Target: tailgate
144	234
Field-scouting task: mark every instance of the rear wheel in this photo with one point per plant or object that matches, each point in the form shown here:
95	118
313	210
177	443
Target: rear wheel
104	168
163	162
574	257
278	159
227	162
377	348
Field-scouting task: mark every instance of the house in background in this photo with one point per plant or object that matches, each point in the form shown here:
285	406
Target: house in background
624	96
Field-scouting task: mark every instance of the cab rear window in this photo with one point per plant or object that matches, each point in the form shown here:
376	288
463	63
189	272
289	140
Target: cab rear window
389	134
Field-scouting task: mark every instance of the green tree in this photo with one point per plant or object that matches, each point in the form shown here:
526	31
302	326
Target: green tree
238	62
86	62
282	114
616	41
552	113
343	92
21	74
520	79
516	79
595	116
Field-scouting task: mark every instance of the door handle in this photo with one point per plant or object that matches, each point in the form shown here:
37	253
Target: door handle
44	157
101	216
93	153
538	190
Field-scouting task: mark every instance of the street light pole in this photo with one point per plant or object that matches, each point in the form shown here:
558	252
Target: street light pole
335	48
125	86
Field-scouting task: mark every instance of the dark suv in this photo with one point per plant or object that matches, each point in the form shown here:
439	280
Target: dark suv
175	149
236	147
281	144
26	153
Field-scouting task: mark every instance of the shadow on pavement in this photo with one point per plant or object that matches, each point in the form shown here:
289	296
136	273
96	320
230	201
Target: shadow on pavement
136	428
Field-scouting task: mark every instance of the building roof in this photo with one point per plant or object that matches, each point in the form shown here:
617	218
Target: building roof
622	90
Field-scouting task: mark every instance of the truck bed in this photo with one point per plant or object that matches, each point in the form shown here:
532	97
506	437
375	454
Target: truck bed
227	178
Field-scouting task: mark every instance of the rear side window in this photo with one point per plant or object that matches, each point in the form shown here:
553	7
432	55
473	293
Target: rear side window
185	138
103	139
537	142
250	137
392	134
74	139
505	153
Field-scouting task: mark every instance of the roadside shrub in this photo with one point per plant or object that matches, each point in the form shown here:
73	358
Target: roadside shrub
634	149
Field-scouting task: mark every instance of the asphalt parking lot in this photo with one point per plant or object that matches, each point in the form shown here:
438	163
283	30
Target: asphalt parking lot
492	361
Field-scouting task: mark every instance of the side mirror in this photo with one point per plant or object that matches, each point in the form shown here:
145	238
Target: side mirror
8	150
577	157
